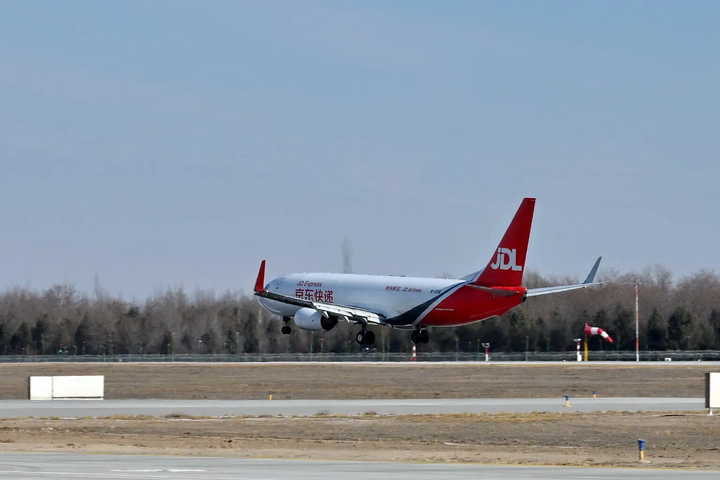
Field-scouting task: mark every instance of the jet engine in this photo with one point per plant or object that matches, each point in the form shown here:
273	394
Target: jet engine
311	319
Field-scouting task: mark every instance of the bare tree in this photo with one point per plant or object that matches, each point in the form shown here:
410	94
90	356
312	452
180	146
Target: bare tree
673	314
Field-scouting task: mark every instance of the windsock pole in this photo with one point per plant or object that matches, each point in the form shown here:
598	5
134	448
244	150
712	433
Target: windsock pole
586	348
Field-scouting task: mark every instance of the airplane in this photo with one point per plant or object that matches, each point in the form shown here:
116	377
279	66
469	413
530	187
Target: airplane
319	301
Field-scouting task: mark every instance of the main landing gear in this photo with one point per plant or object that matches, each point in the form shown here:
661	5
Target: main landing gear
286	330
420	336
365	337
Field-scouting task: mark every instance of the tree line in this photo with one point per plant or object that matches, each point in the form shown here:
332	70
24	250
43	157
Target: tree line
674	315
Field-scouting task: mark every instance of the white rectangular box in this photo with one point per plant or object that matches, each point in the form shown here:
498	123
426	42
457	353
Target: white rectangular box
712	390
41	388
85	386
50	388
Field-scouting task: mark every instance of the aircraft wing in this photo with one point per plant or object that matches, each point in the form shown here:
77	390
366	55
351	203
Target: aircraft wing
347	313
343	312
589	282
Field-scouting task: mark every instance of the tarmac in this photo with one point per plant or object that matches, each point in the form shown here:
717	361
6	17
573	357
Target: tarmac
518	363
23	466
220	408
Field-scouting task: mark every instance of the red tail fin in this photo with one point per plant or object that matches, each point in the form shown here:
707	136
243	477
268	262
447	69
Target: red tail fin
506	266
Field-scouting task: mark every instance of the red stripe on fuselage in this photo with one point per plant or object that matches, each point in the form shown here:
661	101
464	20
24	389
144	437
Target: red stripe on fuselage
468	305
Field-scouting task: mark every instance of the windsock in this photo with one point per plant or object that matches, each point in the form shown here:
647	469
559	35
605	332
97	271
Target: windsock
597	331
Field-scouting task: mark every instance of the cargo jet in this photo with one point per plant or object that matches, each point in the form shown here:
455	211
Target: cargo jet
319	301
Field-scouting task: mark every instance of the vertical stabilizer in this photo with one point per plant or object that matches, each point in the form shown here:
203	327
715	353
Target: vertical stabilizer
507	264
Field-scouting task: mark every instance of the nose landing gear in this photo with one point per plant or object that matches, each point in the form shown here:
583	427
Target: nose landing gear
420	336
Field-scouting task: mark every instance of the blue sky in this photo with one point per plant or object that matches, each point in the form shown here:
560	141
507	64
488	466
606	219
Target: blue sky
172	143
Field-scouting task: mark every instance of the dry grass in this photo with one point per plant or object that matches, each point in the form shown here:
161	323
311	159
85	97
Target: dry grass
673	439
322	381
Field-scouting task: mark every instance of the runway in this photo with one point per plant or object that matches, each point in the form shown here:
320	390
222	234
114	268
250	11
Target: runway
390	364
22	466
219	408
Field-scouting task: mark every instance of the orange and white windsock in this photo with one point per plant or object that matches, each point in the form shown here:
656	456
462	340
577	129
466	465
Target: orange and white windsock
597	331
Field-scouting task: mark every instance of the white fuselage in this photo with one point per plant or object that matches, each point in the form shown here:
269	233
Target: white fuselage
390	296
319	301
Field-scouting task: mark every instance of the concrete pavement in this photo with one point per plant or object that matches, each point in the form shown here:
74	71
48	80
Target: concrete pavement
101	408
23	466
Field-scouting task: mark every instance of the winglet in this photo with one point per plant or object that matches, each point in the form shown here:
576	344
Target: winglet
591	276
260	282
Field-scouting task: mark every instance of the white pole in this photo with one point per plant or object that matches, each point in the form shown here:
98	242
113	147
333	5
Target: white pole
637	325
579	358
577	344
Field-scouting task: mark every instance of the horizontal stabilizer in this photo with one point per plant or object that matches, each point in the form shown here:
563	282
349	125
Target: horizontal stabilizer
495	292
589	282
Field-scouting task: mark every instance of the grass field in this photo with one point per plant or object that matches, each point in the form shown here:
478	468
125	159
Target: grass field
673	439
357	381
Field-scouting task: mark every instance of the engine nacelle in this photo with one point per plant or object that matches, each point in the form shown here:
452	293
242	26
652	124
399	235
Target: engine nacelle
311	319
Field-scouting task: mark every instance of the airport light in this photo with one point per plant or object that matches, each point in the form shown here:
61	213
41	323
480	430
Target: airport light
637	324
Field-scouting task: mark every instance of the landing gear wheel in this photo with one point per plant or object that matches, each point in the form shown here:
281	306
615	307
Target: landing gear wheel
369	338
415	336
361	337
286	330
424	336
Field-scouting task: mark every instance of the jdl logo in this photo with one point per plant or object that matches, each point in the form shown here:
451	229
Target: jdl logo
506	260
